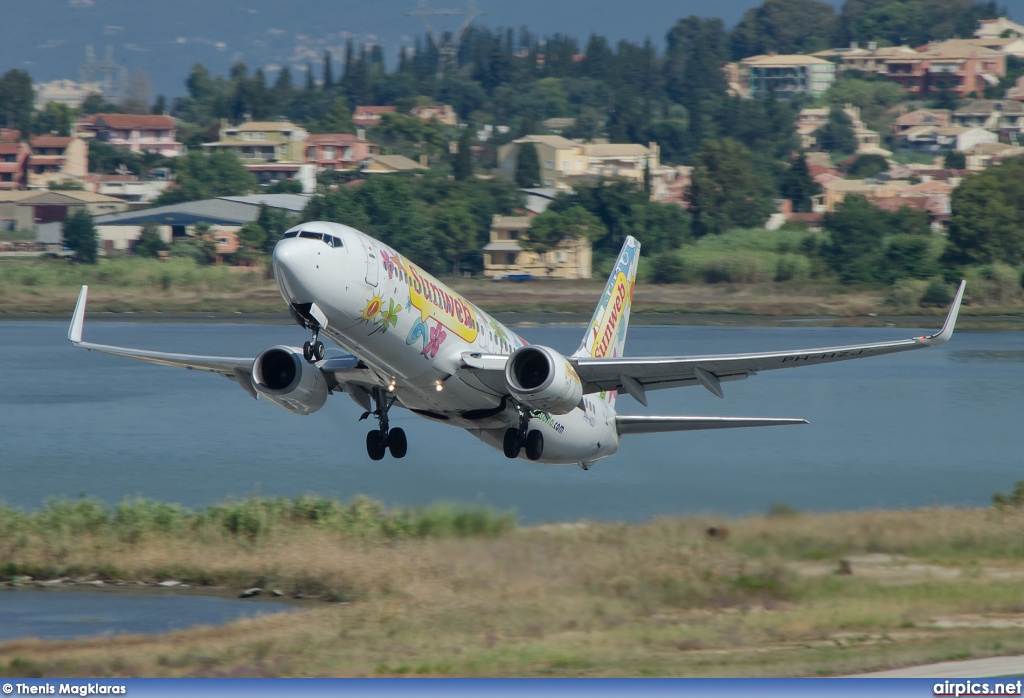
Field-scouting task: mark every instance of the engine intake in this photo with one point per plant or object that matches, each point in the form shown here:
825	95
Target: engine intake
543	379
283	377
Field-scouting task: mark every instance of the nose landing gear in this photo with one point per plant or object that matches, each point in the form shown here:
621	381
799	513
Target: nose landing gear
306	316
314	351
383	439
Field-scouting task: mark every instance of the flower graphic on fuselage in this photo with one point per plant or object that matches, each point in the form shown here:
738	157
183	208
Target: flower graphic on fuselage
373	307
388	317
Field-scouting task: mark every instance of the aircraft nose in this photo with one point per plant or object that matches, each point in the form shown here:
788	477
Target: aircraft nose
293	255
293	258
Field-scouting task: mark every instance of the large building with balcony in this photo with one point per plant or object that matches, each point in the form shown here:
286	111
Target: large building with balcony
139	133
271	150
562	161
786	75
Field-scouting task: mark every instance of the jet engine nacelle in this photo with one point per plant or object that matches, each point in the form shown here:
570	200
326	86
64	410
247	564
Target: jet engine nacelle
543	379
283	377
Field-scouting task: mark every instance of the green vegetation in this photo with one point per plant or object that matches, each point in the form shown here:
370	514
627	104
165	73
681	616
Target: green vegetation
80	236
454	591
122	284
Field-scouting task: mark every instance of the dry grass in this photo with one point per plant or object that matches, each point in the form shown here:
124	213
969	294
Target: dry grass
571	600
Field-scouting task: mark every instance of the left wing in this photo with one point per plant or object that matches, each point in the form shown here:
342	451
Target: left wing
642	424
637	375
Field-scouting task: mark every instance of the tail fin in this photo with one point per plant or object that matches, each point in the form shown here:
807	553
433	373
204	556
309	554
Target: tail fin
606	334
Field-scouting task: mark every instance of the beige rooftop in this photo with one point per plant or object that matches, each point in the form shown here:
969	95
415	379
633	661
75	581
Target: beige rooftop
783	60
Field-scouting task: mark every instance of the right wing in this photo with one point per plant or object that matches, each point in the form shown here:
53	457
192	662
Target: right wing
224	365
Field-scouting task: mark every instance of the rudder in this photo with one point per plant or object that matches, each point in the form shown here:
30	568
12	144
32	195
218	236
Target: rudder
606	333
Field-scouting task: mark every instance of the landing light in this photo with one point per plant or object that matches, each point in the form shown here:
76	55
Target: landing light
438	386
391	386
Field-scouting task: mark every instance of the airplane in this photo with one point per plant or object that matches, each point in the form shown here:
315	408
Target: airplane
414	343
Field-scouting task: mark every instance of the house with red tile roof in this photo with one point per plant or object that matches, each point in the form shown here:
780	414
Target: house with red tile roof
55	158
13	161
338	151
138	133
367	116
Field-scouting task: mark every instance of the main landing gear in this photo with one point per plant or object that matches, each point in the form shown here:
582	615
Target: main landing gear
314	351
518	437
379	441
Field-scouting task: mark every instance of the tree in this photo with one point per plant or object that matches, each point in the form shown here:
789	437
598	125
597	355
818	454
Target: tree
987	224
55	118
80	236
149	244
462	167
67	184
252	236
911	22
726	191
16	100
856	230
528	166
837	135
797	185
338	119
456	230
550	228
955	160
202	176
784	26
285	186
866	166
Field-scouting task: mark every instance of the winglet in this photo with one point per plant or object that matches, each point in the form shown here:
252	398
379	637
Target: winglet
946	332
78	317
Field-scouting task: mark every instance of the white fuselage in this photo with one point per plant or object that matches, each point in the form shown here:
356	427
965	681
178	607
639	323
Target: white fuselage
412	331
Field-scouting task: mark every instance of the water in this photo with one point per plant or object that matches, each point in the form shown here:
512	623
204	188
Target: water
57	615
935	426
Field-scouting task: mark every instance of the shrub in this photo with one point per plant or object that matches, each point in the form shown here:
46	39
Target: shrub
937	293
668	269
1013	499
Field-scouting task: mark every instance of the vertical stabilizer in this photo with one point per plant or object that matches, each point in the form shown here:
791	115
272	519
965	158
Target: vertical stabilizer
606	333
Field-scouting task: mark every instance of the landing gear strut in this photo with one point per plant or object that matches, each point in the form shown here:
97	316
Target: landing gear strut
302	314
516	438
383	439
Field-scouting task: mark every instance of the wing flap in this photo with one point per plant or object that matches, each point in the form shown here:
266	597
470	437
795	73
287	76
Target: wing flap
642	424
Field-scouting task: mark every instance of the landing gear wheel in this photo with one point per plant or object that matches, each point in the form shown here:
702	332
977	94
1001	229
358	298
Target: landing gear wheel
397	443
307	351
318	351
534	445
510	444
375	446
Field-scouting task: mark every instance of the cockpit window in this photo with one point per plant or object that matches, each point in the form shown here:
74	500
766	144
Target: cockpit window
331	240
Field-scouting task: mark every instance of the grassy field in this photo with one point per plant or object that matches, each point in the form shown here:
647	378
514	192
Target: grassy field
128	285
464	592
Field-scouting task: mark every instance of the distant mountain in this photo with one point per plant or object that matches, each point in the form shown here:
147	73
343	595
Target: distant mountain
49	37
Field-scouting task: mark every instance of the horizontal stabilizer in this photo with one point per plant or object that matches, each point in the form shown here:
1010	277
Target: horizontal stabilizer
641	424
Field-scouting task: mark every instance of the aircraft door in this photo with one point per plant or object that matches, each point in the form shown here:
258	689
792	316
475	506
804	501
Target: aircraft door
372	262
